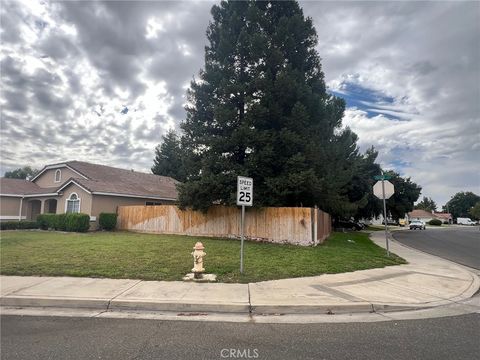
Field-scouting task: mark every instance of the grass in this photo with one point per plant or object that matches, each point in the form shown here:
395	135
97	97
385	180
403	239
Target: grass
167	257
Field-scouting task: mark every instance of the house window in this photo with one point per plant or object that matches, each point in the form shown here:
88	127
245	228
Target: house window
73	204
58	175
151	203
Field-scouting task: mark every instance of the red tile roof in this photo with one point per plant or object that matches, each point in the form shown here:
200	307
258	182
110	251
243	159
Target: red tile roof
420	214
423	214
443	215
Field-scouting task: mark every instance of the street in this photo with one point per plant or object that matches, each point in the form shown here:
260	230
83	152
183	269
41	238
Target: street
458	244
99	338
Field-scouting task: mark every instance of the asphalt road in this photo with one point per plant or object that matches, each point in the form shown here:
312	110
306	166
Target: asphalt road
100	338
458	244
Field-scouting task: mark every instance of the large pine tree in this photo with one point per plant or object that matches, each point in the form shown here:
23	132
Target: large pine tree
168	159
260	108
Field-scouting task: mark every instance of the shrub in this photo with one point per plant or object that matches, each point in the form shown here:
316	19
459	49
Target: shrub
107	221
77	222
60	222
435	222
14	225
47	221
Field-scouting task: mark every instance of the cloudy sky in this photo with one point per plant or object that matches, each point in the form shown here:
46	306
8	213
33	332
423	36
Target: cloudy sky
102	81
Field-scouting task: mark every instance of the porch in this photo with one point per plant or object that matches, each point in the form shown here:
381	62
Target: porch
37	206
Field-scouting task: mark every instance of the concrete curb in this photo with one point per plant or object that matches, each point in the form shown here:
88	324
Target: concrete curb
264	309
312	309
179	307
24	301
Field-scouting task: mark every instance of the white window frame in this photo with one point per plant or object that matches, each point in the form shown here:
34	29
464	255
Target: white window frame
69	199
58	171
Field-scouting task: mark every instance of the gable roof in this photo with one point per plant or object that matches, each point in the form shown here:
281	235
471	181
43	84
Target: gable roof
426	214
420	214
21	187
443	215
107	180
56	166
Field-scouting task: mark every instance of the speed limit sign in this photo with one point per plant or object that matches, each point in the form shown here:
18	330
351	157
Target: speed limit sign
244	191
244	198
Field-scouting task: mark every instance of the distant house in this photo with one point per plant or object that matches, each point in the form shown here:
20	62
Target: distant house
426	216
446	218
76	186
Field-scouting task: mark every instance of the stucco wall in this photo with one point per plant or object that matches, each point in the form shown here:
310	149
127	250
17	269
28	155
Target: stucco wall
9	207
104	203
85	199
47	179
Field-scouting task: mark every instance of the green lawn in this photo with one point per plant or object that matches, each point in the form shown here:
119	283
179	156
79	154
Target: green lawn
167	257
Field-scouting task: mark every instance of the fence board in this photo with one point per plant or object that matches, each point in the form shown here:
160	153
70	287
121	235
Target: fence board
279	225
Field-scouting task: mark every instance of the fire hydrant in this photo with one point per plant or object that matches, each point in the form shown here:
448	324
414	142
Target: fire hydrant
198	255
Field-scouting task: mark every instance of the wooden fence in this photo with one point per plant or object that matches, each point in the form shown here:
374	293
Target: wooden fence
300	226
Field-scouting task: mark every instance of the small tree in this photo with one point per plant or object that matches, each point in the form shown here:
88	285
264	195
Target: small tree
25	172
426	204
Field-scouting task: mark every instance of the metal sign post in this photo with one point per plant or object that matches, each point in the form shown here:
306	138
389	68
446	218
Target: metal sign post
385	216
242	239
387	190
244	198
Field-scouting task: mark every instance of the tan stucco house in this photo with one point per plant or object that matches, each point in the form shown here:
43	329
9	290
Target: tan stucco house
426	216
77	186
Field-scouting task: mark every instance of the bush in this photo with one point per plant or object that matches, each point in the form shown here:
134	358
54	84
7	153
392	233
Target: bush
60	222
77	222
14	225
435	222
63	222
47	221
107	221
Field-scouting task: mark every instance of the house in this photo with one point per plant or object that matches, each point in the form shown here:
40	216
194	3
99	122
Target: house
77	186
423	215
446	218
426	216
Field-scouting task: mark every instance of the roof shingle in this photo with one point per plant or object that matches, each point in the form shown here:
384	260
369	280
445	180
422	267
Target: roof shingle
23	187
104	179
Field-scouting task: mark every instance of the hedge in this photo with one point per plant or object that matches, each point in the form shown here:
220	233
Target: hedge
60	222
76	222
14	225
435	222
107	221
46	221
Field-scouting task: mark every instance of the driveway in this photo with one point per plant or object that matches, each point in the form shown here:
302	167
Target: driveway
458	244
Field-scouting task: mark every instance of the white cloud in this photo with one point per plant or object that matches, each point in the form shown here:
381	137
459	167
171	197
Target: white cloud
70	68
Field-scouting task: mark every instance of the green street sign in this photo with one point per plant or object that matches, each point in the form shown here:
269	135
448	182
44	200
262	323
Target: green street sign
384	177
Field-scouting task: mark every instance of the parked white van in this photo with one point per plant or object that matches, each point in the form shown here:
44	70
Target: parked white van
465	221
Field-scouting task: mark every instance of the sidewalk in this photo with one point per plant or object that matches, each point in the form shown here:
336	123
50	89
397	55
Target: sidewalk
427	281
